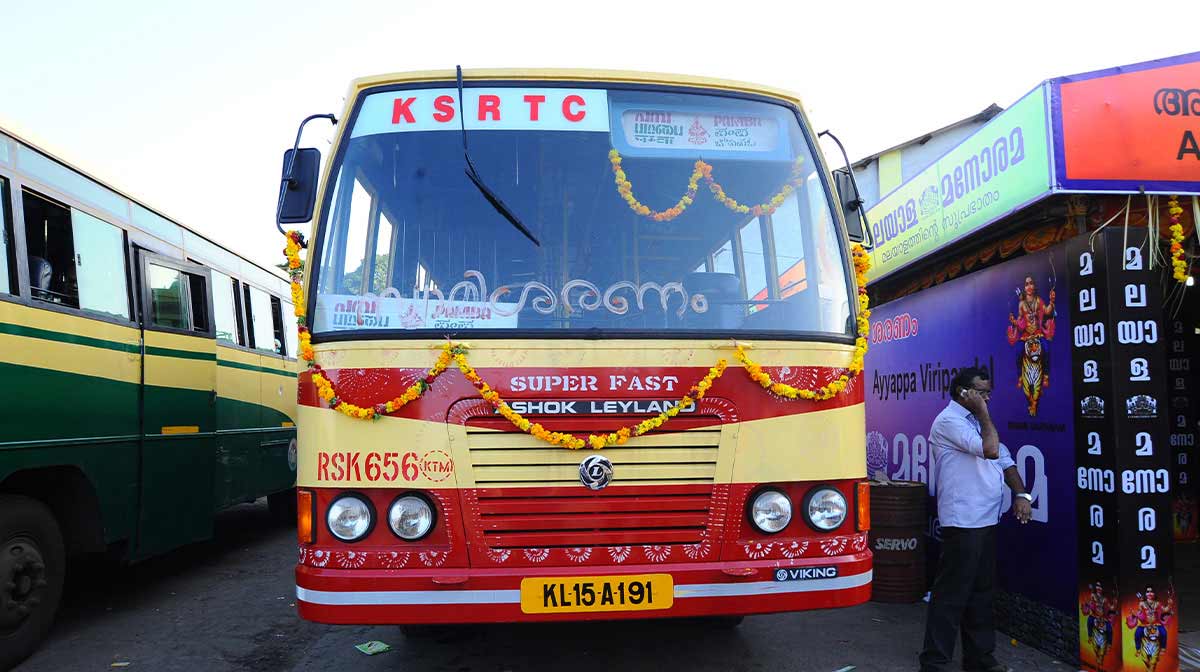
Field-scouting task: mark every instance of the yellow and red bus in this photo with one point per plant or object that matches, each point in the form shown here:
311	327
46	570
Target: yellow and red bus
578	250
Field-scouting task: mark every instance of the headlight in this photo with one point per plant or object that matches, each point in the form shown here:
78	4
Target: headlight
771	511
349	518
826	509
410	517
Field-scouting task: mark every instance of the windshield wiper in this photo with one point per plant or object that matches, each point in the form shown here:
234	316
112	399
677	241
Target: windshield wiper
474	175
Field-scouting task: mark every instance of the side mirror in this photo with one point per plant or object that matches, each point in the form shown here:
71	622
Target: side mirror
852	205
298	191
857	228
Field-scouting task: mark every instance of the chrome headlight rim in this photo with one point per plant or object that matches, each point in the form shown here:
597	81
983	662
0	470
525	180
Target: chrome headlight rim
812	494
754	497
372	516
433	514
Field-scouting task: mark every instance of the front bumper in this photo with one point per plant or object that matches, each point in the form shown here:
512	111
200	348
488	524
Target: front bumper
357	596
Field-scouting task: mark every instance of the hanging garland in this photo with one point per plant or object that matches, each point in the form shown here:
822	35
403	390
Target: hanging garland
456	353
701	170
596	441
1180	266
862	263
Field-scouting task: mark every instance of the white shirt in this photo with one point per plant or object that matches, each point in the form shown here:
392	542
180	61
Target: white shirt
970	487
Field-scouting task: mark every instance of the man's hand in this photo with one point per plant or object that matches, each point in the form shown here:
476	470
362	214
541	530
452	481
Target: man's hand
1022	509
974	402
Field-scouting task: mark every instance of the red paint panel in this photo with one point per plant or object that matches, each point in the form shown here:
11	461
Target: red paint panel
591	521
708	574
733	393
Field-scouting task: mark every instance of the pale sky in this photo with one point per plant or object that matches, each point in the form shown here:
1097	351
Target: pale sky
189	106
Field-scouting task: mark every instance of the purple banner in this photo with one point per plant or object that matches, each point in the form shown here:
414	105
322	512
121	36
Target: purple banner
1004	319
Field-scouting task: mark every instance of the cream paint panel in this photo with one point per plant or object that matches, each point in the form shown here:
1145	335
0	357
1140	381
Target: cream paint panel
238	384
84	360
324	430
823	445
567	353
833	447
277	391
168	371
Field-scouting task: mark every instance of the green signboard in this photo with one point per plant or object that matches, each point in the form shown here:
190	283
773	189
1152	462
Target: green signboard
1001	167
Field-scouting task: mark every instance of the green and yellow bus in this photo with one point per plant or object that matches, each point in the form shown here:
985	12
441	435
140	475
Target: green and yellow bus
148	381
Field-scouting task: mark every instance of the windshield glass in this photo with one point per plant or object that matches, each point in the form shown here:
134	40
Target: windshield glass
655	212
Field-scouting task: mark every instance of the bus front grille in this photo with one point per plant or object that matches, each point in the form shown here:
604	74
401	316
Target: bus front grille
528	494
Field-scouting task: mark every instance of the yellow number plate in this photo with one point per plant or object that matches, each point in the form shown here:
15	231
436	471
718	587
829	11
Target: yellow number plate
628	592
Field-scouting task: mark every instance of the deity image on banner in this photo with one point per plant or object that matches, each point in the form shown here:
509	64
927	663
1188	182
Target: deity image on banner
1097	616
1150	630
1033	322
1184	512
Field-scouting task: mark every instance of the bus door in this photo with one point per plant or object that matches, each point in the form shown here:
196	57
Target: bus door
178	405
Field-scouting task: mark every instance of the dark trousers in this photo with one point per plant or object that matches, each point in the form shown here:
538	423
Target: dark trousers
962	599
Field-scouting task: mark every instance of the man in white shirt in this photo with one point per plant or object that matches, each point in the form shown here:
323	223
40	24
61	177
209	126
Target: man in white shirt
972	469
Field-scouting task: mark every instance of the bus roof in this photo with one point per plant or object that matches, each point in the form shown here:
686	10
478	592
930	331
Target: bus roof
23	136
571	75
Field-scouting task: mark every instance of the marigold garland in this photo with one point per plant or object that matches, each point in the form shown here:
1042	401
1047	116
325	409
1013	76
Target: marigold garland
457	354
1180	266
701	170
596	441
862	263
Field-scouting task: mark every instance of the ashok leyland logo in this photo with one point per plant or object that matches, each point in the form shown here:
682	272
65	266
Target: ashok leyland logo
596	472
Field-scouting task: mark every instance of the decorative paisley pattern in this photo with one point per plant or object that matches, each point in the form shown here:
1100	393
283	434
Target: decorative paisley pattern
537	554
578	554
620	554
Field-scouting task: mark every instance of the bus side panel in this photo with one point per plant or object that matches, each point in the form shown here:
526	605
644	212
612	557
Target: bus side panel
277	417
71	399
238	413
178	454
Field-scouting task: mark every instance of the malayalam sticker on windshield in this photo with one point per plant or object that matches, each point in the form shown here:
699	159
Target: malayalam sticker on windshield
651	128
487	109
345	312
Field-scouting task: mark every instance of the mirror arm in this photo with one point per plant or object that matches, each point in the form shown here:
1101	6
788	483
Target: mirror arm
857	202
289	178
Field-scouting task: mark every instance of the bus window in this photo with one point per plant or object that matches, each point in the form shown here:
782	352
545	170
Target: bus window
788	231
8	264
277	324
51	248
225	308
753	260
168	298
198	295
240	311
355	258
244	298
290	337
100	265
261	327
723	259
380	272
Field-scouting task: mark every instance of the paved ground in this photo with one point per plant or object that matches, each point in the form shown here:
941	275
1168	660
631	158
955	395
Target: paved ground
228	605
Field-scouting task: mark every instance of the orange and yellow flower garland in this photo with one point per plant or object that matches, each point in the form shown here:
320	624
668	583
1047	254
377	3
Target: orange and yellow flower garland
1180	266
325	386
457	353
596	441
702	170
862	263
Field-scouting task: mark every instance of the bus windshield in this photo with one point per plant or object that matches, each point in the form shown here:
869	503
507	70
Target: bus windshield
657	212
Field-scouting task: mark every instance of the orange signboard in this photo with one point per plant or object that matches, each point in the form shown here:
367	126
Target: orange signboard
1130	128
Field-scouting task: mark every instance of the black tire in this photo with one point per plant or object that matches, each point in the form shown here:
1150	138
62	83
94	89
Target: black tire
32	564
283	507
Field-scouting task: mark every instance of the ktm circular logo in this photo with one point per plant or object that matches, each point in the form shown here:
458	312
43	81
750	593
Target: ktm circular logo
596	472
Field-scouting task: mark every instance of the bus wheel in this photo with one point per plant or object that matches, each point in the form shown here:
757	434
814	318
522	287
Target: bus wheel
32	560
